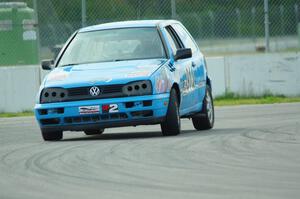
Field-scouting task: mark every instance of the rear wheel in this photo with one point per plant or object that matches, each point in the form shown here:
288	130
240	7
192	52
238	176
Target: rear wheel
50	135
171	126
94	132
205	120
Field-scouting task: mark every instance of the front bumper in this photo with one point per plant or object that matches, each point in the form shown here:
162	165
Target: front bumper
132	111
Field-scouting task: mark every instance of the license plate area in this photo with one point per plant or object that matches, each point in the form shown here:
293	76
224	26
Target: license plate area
83	110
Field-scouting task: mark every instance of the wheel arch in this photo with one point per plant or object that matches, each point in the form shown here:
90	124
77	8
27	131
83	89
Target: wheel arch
176	87
208	82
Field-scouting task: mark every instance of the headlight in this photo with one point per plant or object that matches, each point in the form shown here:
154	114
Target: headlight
138	88
49	95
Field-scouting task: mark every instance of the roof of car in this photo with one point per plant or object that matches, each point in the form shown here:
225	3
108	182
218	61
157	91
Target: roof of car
126	24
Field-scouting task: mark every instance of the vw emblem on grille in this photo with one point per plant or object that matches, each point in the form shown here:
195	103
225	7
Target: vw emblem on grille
95	91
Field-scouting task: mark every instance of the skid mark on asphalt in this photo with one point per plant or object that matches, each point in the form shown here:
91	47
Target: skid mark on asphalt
253	152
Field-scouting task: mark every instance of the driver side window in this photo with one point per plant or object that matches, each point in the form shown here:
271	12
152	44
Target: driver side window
173	39
185	37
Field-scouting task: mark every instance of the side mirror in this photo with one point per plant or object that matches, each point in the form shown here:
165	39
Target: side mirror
183	53
47	64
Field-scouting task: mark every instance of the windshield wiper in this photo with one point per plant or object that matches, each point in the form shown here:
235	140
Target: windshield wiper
119	59
73	64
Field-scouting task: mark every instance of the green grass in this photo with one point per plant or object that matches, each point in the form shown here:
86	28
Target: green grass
229	99
21	114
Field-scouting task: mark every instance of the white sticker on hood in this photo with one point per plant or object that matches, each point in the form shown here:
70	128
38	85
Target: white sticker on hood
139	74
57	76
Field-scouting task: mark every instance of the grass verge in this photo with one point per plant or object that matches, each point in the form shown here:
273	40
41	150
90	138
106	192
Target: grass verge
231	99
226	100
21	114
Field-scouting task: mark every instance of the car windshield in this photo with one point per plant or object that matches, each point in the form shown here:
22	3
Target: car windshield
113	45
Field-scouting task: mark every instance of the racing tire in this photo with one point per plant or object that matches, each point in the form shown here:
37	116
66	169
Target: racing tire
49	135
172	125
94	132
206	119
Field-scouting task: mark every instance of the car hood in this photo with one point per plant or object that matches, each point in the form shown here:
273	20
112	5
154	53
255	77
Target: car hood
104	73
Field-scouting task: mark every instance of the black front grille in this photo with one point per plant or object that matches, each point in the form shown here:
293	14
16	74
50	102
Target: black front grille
78	91
112	89
82	91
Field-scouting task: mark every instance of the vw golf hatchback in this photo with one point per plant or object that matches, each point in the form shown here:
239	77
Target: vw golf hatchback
125	74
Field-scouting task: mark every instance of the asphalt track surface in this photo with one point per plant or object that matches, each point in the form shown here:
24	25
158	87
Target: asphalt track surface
253	152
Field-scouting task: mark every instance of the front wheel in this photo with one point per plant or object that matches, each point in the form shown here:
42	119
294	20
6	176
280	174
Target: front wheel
171	126
50	135
205	120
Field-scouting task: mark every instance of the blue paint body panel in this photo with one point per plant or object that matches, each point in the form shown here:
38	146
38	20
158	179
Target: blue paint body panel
189	75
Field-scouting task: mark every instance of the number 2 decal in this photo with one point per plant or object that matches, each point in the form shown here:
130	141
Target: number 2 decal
110	108
113	108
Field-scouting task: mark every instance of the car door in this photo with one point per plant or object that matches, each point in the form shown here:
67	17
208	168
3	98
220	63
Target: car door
184	68
198	65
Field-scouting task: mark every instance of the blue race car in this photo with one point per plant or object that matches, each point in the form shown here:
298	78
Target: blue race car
125	74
